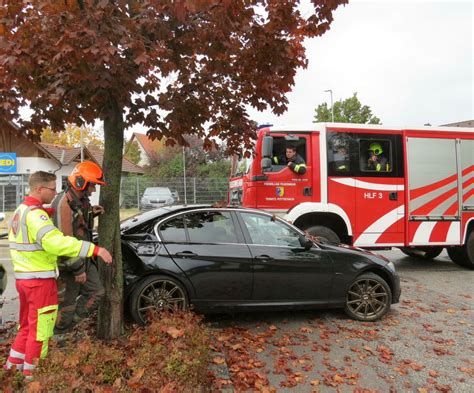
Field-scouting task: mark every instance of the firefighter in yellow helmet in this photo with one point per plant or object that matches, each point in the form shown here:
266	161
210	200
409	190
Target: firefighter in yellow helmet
377	162
35	244
80	288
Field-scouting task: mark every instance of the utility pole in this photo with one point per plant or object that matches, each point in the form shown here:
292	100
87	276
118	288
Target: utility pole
332	106
82	146
184	177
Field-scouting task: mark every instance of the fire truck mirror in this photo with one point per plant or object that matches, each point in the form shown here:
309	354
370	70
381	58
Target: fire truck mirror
267	147
266	164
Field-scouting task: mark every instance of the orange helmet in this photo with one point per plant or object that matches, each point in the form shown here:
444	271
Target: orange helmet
84	173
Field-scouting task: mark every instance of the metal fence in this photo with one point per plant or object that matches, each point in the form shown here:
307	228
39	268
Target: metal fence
13	189
190	191
193	190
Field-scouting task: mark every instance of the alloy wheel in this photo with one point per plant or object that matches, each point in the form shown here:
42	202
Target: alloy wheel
367	299
161	295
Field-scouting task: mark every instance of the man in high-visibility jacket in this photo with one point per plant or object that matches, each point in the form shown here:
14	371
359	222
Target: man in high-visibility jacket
35	244
291	159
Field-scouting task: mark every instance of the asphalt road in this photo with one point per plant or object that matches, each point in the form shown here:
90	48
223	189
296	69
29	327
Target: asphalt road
424	344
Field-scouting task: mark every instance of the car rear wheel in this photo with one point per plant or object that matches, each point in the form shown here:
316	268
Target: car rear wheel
422	252
463	255
154	294
325	234
369	298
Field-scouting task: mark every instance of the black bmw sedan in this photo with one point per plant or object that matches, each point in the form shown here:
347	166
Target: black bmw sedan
220	259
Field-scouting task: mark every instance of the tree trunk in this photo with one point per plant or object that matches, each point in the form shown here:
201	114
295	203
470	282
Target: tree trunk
110	323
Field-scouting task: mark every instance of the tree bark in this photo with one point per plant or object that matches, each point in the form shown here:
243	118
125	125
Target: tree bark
110	323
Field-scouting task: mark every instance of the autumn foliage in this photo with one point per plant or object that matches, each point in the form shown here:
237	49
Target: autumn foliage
171	353
174	65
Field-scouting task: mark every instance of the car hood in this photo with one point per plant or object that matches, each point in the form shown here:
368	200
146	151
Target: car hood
356	251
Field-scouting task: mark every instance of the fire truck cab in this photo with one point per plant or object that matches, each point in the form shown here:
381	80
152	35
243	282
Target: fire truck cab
367	185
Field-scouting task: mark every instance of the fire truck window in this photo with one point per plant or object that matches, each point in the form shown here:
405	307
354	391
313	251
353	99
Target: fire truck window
279	151
375	156
339	156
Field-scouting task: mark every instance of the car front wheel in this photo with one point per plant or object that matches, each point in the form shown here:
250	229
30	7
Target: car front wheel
369	298
154	294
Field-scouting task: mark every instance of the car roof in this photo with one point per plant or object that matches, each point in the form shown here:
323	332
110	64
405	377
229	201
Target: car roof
165	211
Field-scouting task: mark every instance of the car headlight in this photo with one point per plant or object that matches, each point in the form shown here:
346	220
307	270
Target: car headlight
391	266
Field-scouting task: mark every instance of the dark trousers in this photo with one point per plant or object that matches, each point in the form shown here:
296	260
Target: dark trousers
77	301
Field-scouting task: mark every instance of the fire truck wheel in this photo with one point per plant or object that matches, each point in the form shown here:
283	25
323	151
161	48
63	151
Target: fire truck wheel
463	255
325	234
369	298
422	252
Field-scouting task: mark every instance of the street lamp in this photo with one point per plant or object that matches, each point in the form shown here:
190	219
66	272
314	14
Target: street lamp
332	106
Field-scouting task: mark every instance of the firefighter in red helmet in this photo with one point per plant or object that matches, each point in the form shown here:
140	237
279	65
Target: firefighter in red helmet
80	287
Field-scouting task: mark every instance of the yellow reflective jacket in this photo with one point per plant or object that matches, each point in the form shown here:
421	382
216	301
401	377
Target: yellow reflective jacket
35	243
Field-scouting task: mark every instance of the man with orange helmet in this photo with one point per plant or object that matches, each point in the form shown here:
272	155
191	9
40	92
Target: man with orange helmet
74	216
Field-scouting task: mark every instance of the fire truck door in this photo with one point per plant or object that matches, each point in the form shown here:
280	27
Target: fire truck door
379	196
283	188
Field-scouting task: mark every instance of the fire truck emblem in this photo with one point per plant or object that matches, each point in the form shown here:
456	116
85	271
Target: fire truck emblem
280	191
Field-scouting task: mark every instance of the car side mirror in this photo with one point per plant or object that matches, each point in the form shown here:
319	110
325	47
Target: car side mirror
305	243
266	164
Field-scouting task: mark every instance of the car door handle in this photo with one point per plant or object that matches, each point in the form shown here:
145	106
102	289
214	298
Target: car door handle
188	254
263	258
393	196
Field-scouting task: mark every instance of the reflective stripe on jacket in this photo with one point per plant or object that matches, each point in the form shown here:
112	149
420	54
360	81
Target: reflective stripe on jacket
35	243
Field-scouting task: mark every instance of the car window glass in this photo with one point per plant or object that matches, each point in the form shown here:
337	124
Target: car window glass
173	230
210	227
266	230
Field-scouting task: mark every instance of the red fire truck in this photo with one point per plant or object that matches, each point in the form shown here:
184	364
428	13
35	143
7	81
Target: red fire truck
420	198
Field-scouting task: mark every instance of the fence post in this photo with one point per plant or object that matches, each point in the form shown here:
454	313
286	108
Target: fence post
138	192
194	189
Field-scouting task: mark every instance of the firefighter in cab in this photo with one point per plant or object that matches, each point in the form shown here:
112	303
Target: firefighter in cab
291	159
377	161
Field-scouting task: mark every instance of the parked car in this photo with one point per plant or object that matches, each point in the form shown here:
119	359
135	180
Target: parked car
219	259
154	197
175	195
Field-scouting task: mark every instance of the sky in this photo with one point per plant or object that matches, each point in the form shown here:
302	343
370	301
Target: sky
410	61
